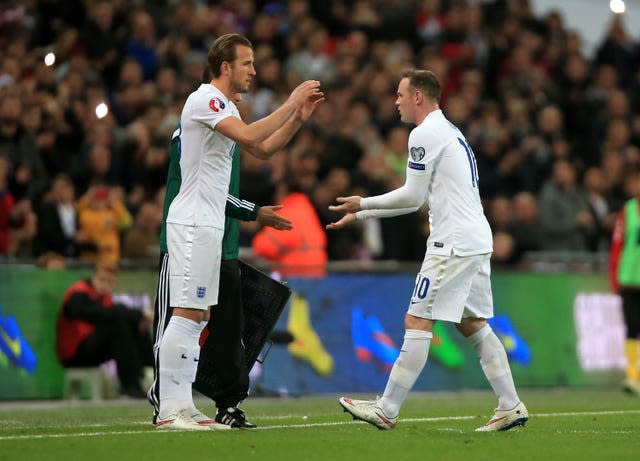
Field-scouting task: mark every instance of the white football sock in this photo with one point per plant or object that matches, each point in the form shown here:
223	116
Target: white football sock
192	371
494	363
405	371
176	355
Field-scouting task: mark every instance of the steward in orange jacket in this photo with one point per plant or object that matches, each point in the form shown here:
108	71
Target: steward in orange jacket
301	251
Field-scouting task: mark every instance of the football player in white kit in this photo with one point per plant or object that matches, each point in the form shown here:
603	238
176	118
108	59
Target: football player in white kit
211	127
454	281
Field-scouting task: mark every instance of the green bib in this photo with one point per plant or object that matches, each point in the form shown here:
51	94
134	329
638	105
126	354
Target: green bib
629	266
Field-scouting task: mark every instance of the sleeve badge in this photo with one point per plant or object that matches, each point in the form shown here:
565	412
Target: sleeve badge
216	104
417	153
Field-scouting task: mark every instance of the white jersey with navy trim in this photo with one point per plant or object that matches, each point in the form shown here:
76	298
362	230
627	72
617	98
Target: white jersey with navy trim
442	157
206	159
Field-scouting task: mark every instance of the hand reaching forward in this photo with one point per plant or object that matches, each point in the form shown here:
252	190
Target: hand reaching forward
307	91
303	113
347	204
267	216
342	222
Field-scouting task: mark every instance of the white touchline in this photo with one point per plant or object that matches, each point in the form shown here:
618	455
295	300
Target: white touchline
328	424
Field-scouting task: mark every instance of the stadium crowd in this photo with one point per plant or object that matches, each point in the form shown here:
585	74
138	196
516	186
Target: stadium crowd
90	92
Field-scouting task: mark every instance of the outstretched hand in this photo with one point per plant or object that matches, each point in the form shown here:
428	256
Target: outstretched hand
309	107
347	204
306	94
342	222
267	216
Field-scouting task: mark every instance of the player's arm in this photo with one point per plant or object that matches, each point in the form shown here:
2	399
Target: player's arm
283	135
248	211
241	209
410	196
368	214
285	120
277	140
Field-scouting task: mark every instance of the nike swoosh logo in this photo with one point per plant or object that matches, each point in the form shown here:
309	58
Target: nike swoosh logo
415	302
184	356
385	419
495	420
13	344
162	422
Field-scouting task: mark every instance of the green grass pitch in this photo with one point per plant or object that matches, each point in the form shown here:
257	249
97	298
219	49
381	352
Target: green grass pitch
564	425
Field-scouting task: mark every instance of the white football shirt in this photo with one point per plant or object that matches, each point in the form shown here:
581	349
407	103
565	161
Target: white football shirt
205	161
439	153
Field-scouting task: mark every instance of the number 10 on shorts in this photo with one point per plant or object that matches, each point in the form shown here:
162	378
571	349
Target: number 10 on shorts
420	289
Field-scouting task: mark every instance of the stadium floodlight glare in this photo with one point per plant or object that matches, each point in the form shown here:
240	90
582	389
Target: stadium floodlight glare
102	110
617	6
49	59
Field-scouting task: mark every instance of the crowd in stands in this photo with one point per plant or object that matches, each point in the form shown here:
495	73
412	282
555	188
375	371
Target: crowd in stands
555	132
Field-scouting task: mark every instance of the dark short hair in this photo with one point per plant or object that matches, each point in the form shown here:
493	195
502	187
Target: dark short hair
224	49
424	81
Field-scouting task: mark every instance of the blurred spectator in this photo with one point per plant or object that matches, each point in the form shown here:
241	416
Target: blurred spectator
525	225
301	251
613	168
313	62
395	149
102	218
619	51
504	244
103	45
92	329
595	187
96	169
566	222
429	20
142	44
141	241
7	203
58	223
17	220
500	213
504	248
18	140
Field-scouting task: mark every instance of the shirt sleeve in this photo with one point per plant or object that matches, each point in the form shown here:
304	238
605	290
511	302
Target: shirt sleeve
390	213
213	110
411	195
422	155
241	209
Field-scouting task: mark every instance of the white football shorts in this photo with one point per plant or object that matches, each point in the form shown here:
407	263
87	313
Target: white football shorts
194	265
452	288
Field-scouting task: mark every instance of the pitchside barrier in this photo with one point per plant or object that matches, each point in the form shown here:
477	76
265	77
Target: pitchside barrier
559	328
